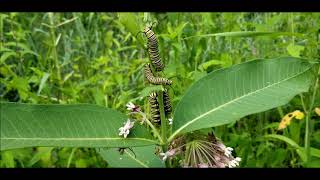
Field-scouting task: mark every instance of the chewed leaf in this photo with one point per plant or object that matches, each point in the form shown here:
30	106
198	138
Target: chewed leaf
286	120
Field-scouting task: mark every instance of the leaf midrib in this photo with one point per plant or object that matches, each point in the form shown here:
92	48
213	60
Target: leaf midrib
230	102
74	139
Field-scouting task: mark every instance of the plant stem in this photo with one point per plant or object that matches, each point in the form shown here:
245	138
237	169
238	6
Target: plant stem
54	52
308	116
292	27
1	31
280	111
303	104
163	125
70	157
156	132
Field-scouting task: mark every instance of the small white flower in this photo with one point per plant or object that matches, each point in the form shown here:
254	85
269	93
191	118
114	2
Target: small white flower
130	106
234	162
125	130
228	151
167	154
170	121
238	159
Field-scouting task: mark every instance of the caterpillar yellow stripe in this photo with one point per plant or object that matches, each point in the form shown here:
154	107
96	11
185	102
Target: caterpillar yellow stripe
154	108
155	80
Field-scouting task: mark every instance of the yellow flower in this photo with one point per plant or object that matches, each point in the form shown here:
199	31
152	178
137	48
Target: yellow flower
317	110
286	120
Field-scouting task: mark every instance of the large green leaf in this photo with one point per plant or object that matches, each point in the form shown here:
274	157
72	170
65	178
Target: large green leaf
81	125
136	157
226	95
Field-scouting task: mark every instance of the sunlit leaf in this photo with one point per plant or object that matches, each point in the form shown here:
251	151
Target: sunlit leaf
229	94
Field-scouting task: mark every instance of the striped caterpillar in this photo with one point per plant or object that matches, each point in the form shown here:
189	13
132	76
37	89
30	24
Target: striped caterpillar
155	80
154	107
153	49
166	103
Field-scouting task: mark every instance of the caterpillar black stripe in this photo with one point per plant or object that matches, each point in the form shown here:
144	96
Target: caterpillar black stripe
167	103
153	49
155	80
154	108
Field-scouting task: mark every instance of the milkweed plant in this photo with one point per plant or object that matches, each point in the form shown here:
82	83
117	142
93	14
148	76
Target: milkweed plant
161	134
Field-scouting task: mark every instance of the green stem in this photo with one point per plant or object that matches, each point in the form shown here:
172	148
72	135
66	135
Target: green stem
1	31
54	51
156	132
308	116
292	27
280	111
70	157
163	125
303	104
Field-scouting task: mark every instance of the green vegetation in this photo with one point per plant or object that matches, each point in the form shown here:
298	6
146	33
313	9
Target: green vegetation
236	74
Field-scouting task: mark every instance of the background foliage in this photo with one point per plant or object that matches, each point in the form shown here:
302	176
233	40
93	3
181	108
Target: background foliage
97	58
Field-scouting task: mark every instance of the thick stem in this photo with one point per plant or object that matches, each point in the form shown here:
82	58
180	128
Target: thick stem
308	129
163	124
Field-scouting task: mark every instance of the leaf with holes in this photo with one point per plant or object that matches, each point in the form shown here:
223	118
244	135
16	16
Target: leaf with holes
80	125
226	95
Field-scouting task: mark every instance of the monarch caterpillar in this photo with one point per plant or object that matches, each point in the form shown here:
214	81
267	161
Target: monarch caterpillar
154	107
166	103
153	49
155	80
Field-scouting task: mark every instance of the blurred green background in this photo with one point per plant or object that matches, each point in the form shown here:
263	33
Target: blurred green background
98	58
